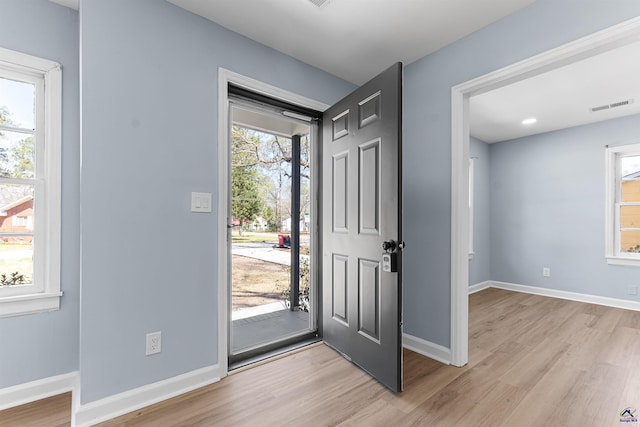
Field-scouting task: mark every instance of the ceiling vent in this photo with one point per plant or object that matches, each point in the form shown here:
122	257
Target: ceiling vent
614	105
319	3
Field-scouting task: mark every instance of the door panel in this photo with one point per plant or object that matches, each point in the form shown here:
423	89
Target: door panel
340	192
369	301
339	289
369	188
362	304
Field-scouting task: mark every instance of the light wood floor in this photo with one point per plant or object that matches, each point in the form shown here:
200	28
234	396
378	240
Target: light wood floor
534	361
52	412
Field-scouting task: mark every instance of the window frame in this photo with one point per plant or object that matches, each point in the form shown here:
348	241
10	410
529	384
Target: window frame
45	292
613	195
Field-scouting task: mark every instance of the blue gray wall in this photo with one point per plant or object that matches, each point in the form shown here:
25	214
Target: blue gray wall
548	206
480	263
42	345
427	134
149	138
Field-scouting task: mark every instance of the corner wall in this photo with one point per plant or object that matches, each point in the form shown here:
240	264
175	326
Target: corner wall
44	345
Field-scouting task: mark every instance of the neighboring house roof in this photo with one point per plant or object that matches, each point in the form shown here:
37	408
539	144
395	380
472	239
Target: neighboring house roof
4	209
630	176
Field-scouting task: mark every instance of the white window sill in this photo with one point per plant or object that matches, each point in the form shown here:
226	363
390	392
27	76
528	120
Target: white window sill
635	262
29	304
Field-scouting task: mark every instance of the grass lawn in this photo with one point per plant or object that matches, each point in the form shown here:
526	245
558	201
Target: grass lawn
8	247
16	257
254	237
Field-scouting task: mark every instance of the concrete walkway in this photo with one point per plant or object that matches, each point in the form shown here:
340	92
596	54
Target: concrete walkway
245	313
267	328
262	251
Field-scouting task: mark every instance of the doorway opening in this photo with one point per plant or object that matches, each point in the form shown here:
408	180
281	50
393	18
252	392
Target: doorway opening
371	207
273	298
586	47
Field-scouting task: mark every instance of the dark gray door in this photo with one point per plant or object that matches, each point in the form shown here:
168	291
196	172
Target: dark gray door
361	303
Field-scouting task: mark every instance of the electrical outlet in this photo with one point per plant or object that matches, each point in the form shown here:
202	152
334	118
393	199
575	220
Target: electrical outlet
632	290
546	272
154	343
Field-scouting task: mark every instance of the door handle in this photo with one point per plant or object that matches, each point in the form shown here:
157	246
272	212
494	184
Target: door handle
390	255
392	245
389	245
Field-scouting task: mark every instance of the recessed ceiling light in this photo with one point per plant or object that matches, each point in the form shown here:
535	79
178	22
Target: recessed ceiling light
318	3
529	121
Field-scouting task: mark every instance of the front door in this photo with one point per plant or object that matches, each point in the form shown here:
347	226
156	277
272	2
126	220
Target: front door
362	295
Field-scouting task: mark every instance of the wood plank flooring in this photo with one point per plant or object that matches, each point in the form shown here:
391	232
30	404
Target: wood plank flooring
534	361
52	412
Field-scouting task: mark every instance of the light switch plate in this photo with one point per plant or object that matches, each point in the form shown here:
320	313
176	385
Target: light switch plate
200	202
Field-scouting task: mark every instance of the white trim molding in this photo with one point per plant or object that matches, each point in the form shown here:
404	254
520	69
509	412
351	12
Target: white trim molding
36	390
601	41
114	406
427	348
572	296
480	287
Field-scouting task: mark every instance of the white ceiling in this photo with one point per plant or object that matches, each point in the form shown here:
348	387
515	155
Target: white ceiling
560	98
73	4
267	122
356	39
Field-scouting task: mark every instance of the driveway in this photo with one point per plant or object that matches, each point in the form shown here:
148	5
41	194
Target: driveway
262	251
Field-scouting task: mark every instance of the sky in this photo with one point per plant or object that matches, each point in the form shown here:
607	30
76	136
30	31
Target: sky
18	98
630	165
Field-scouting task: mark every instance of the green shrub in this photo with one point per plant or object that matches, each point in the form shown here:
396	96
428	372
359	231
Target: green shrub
305	276
635	249
14	279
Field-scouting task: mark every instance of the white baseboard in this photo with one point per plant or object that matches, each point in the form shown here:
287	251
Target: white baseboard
36	390
113	406
573	296
427	348
479	287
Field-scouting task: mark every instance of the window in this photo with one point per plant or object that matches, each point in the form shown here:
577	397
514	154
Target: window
623	205
21	221
30	149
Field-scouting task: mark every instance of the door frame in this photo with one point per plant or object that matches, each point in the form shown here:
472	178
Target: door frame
224	184
585	47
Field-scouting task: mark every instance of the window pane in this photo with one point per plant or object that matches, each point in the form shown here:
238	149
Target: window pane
16	218
16	208
630	241
629	216
17	104
16	260
631	190
630	172
17	151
